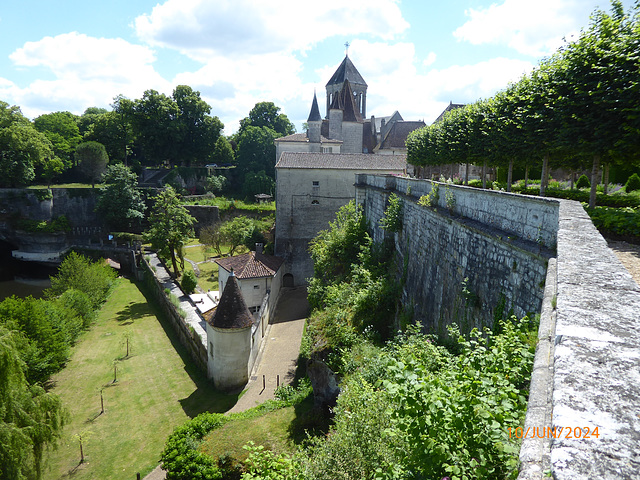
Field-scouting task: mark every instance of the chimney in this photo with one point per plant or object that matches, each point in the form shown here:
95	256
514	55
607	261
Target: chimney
259	248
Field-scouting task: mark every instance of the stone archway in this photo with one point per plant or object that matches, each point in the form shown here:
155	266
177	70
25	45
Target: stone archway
287	280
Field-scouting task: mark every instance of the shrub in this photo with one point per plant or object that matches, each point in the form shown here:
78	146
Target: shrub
189	282
633	183
583	182
181	458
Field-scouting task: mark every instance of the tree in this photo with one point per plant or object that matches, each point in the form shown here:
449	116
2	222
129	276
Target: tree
223	152
266	114
61	128
31	420
22	148
211	237
92	158
256	150
257	182
236	232
120	203
198	132
170	226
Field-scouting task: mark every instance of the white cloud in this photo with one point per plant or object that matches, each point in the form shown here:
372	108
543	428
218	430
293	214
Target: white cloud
202	29
86	71
534	28
430	60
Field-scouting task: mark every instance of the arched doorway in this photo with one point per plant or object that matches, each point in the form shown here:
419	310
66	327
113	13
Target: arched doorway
287	280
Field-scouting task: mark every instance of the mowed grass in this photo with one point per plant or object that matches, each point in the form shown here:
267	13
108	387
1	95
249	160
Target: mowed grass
157	389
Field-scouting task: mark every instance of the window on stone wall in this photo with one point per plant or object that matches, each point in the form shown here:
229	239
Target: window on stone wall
316	183
256	287
315	202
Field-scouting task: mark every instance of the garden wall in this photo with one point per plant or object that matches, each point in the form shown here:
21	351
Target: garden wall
189	335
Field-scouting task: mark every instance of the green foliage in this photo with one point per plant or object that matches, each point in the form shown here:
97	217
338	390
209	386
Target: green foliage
170	225
31	420
263	464
618	221
120	202
43	194
430	199
181	458
633	183
256	183
216	183
267	114
449	198
95	279
189	282
392	218
583	182
58	224
92	159
237	232
80	303
22	148
61	129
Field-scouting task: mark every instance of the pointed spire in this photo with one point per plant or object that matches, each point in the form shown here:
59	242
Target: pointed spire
345	101
232	311
314	116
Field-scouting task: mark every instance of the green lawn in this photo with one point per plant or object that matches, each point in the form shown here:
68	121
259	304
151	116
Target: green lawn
156	391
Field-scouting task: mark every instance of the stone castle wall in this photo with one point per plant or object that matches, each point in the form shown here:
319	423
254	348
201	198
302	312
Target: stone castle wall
468	261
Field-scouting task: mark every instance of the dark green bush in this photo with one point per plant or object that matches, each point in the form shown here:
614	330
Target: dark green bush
617	221
181	458
189	282
583	182
633	183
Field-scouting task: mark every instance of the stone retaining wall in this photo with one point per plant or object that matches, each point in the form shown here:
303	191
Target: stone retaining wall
586	372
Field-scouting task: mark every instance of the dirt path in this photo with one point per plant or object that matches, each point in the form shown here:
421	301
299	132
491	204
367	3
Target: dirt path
629	255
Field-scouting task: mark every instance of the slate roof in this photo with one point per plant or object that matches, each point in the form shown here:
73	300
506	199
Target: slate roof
251	265
302	137
314	115
232	311
347	161
397	135
344	101
346	71
451	106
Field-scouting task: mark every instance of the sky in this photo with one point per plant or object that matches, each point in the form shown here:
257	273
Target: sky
415	55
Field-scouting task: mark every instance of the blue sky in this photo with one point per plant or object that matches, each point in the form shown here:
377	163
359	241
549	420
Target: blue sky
416	56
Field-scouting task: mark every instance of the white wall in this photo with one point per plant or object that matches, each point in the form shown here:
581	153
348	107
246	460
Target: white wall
229	351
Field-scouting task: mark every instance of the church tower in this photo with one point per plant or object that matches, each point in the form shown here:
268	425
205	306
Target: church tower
347	71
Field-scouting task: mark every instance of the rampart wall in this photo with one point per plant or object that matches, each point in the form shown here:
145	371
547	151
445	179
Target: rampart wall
582	418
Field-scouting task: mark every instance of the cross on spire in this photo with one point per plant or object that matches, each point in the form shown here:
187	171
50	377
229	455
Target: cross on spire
346	44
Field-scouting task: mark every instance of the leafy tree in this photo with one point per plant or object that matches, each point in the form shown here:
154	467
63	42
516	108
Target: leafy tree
198	131
223	152
170	226
120	203
51	169
211	237
267	114
257	182
92	158
61	128
256	150
22	148
633	183
236	232
88	118
94	279
31	420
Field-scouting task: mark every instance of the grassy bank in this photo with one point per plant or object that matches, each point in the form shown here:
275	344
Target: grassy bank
156	390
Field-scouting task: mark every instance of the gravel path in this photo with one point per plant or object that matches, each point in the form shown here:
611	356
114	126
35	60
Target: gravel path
629	255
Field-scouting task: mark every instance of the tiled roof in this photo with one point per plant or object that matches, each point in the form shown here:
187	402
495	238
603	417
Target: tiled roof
232	311
346	71
352	161
397	136
251	265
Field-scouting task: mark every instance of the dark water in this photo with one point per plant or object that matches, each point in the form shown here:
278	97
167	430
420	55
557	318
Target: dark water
22	278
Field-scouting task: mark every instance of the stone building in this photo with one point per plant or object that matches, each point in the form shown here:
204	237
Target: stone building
257	275
311	187
315	171
345	128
